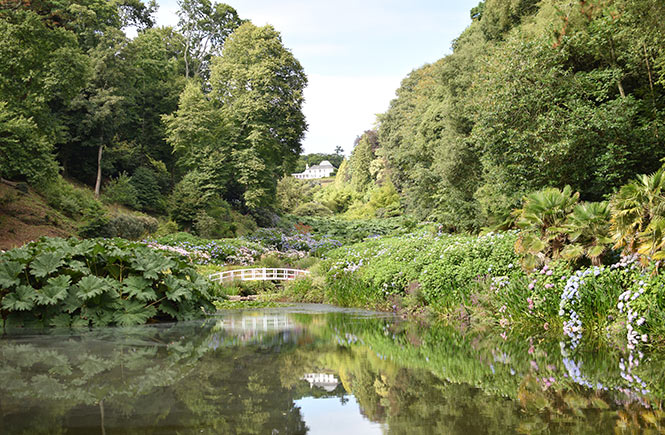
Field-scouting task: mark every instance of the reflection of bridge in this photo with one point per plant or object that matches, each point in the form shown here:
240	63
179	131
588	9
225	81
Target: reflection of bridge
257	323
263	274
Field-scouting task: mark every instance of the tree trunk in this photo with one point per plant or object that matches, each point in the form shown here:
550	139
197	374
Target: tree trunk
98	183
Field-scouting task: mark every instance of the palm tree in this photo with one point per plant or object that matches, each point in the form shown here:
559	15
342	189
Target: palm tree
542	218
588	228
637	209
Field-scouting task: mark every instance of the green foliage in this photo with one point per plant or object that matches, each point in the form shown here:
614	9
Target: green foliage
588	227
128	226
443	268
148	192
312	209
361	159
121	190
534	95
292	193
337	197
638	210
189	197
349	231
71	200
166	228
542	218
25	153
97	282
383	202
260	153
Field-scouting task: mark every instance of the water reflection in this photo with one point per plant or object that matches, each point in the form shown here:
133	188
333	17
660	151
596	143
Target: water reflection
292	370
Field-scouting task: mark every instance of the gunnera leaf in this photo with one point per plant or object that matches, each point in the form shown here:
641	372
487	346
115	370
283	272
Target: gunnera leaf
45	264
139	288
9	272
22	299
56	290
60	321
78	266
90	286
176	289
133	313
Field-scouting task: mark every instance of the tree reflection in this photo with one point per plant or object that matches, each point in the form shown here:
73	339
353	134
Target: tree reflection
214	378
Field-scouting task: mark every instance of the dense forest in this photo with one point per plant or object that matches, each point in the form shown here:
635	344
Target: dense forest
193	121
535	94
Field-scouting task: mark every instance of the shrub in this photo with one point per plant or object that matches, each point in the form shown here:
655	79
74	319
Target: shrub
148	195
166	228
304	289
70	200
127	226
312	209
120	190
131	226
57	282
188	199
205	225
25	151
443	267
201	251
244	224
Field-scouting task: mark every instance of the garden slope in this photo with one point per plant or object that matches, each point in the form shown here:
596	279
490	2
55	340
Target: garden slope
27	216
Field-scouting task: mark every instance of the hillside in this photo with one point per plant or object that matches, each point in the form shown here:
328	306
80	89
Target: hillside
25	216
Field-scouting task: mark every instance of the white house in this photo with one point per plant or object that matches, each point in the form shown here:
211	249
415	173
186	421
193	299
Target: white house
322	170
326	381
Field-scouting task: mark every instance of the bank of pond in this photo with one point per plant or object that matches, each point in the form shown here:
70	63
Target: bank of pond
476	281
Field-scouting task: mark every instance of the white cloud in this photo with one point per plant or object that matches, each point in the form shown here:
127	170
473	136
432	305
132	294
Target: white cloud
339	108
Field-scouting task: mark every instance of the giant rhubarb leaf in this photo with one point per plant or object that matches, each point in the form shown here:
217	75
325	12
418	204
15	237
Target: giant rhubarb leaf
45	264
22	299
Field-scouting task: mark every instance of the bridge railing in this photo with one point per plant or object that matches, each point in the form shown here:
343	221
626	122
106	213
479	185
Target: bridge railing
262	274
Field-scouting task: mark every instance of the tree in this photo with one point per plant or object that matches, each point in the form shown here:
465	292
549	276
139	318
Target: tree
24	151
258	85
201	138
638	210
361	159
43	68
97	113
542	219
205	26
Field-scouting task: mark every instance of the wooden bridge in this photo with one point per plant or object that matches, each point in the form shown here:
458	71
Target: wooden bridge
263	274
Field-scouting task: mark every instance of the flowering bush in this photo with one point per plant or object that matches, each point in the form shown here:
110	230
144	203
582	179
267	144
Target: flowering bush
201	251
442	267
275	238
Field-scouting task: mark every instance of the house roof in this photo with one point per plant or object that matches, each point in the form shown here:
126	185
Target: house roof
323	165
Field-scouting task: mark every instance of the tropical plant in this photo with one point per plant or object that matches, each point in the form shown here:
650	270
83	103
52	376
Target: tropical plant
638	210
588	228
542	219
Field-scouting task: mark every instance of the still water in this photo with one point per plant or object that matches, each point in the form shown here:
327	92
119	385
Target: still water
321	370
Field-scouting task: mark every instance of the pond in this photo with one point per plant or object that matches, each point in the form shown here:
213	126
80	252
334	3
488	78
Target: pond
319	369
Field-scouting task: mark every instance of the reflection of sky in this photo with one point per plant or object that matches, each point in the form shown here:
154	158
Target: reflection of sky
329	416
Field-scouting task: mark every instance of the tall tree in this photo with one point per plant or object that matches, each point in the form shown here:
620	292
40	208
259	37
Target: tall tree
42	69
205	26
259	85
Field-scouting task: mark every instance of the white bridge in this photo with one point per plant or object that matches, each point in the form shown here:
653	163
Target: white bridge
263	274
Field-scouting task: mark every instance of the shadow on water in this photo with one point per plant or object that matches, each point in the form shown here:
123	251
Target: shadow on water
292	369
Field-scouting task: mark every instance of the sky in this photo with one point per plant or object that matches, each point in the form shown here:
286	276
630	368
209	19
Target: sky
355	53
